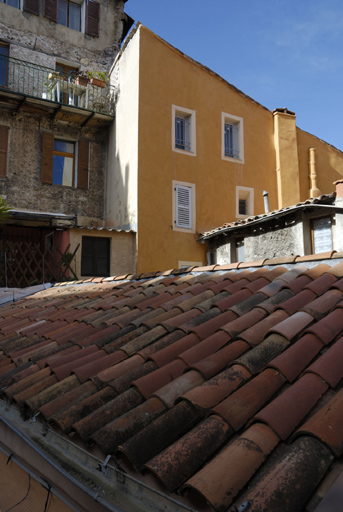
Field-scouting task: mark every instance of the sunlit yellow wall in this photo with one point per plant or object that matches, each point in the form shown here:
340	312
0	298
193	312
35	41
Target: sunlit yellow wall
329	164
167	77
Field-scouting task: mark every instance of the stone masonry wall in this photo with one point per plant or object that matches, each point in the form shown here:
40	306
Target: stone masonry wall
23	187
28	34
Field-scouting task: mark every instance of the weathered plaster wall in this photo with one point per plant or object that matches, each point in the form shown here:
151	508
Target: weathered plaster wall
284	241
329	163
266	242
122	255
25	31
121	187
23	187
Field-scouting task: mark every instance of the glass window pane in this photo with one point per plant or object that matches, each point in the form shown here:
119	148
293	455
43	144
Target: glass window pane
13	3
64	146
62	16
63	171
3	64
75	16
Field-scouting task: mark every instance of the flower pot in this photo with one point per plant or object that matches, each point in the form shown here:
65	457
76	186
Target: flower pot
97	82
82	80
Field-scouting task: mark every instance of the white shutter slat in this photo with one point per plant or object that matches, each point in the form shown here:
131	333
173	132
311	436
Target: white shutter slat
183	207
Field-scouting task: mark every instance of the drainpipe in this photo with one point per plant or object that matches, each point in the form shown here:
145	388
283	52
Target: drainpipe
314	191
266	201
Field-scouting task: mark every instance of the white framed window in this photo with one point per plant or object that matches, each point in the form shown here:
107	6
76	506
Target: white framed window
244	202
184	206
183	130
232	138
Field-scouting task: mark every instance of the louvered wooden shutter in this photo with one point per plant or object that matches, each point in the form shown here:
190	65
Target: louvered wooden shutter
83	163
47	158
3	150
92	18
183	206
31	6
50	10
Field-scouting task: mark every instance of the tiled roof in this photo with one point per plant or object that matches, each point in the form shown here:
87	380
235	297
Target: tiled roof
219	387
321	201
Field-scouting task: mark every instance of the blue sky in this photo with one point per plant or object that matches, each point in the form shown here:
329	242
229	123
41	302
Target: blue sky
282	53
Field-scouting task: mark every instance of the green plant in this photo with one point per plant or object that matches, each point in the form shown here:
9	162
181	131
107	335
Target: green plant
100	75
4	210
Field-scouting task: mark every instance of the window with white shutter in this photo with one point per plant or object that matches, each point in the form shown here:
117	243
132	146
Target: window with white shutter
184	206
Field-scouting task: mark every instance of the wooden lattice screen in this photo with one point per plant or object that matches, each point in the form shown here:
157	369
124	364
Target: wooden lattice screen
25	264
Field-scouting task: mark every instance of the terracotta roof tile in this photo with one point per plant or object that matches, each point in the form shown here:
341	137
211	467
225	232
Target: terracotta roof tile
328	327
99	414
326	424
239	407
278	488
194	376
293	325
255	334
217	388
214	363
296	357
286	411
181	459
222	478
117	431
330	365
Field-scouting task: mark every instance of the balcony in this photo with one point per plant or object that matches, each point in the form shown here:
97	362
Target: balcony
36	89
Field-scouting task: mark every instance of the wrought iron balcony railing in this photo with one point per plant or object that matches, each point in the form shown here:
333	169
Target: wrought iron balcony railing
35	81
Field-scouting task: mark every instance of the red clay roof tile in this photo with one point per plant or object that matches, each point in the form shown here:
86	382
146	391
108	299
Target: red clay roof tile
239	407
227	473
225	345
330	365
296	357
180	460
286	411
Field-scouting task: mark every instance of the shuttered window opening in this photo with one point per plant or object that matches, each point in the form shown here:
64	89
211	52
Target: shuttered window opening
183	207
31	6
50	10
3	150
92	18
59	162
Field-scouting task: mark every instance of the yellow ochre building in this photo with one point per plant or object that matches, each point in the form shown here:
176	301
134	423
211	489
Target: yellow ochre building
188	151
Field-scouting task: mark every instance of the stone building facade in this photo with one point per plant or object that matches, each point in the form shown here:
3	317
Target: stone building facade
54	129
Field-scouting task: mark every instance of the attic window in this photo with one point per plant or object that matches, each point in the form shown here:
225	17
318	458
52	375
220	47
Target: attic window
242	207
244	202
321	235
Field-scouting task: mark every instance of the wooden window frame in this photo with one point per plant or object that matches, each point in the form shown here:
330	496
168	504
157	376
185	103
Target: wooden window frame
4	140
82	157
66	155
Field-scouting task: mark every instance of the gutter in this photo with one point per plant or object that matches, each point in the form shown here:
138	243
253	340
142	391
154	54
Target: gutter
80	479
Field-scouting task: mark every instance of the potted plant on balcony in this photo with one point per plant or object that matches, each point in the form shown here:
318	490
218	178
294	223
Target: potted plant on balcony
81	78
98	78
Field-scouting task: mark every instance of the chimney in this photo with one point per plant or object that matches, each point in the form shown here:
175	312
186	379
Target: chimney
266	201
339	192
